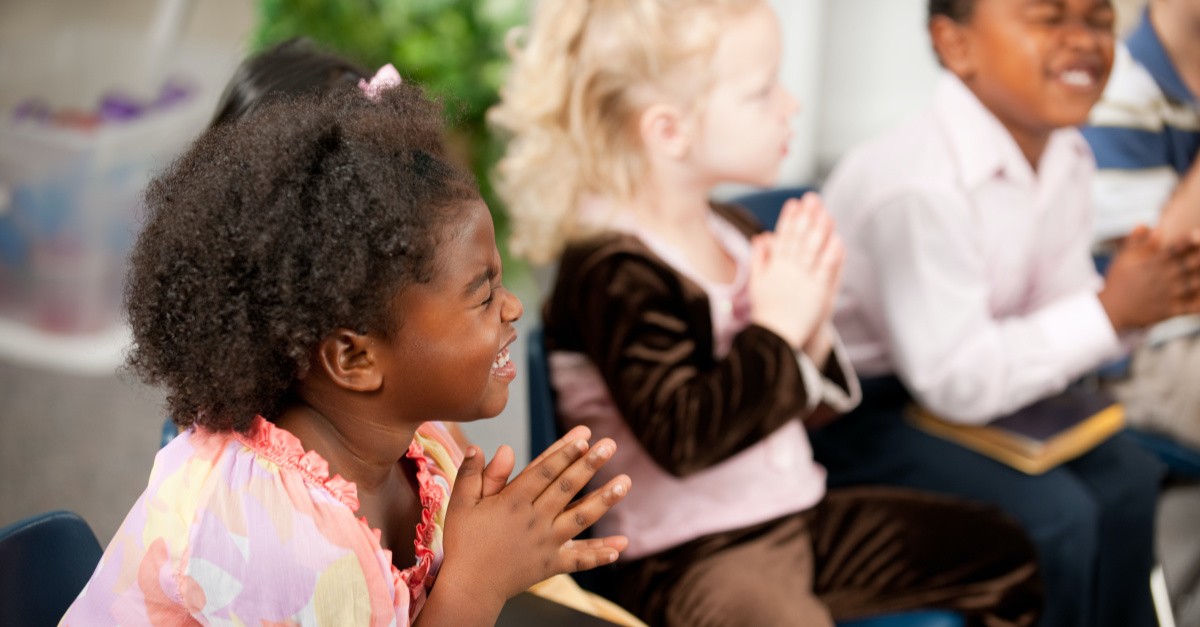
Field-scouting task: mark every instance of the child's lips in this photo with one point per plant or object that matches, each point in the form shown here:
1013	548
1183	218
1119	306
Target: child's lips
503	367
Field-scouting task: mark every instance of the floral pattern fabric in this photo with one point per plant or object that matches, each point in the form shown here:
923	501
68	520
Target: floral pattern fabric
250	528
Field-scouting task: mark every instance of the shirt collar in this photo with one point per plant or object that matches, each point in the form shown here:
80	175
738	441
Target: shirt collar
1147	49
983	149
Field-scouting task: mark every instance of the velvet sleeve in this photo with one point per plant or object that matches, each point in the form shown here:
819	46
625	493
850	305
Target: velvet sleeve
649	332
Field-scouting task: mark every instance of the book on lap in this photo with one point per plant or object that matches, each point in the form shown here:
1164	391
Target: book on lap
1038	437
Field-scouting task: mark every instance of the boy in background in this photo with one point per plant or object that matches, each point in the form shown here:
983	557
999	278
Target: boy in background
969	288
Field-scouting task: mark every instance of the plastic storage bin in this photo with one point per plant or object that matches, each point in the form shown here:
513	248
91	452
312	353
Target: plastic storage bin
70	189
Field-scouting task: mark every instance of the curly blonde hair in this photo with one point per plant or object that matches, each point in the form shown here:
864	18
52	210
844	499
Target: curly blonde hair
582	73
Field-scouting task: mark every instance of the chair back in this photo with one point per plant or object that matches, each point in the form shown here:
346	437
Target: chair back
543	428
45	561
1182	461
168	432
767	204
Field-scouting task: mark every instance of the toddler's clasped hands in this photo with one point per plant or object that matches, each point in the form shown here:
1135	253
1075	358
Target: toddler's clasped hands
794	271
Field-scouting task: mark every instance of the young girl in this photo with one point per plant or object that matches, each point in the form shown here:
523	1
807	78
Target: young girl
298	67
969	289
699	344
314	283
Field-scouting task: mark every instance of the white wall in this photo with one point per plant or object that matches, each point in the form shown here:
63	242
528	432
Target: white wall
858	67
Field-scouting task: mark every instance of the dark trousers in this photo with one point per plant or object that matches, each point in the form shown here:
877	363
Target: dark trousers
860	552
1091	519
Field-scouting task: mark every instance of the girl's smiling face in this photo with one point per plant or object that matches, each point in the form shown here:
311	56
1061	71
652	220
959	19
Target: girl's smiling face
448	357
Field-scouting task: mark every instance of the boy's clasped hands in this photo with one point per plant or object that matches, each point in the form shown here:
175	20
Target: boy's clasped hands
1151	280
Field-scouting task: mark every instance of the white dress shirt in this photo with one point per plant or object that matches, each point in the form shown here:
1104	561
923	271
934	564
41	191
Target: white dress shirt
968	274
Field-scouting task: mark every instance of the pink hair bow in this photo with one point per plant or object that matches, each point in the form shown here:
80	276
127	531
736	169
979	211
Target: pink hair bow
386	78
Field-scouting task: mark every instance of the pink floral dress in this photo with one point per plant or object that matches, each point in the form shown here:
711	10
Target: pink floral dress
251	529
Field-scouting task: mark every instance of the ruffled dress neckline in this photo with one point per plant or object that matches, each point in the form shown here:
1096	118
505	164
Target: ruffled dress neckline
284	449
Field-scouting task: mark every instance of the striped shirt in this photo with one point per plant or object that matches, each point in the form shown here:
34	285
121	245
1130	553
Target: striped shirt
1145	133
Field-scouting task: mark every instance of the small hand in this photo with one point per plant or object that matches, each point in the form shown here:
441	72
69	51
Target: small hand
794	271
1184	275
500	544
1148	282
495	475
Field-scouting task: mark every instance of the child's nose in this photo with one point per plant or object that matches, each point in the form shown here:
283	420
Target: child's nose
791	103
513	309
1082	36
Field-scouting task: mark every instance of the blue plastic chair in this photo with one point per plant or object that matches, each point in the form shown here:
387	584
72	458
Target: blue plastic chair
916	618
543	431
767	204
1182	461
168	433
45	561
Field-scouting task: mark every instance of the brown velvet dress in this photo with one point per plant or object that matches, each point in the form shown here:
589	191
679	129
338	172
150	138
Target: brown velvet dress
859	552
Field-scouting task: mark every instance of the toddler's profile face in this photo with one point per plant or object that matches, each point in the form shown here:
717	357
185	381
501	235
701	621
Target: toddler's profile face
1039	64
449	356
745	121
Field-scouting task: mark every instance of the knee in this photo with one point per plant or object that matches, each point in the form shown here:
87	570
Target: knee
1130	494
1067	512
1065	528
737	605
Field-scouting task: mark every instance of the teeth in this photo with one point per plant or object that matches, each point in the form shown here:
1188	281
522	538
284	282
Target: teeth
501	359
1076	78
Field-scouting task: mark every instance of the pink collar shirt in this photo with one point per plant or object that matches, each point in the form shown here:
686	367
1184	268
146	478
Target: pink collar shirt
968	273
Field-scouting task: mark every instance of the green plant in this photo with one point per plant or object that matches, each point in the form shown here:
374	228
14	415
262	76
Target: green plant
453	48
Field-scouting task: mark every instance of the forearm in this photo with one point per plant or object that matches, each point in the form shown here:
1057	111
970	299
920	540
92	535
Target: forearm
454	602
995	367
819	346
693	413
1181	213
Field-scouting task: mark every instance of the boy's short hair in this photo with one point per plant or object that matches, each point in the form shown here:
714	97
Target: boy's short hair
287	69
957	10
274	230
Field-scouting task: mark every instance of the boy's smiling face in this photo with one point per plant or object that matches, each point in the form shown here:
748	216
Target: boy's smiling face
1038	65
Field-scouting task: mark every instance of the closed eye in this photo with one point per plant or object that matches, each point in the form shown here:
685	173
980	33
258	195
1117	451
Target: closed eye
1046	12
493	289
1103	18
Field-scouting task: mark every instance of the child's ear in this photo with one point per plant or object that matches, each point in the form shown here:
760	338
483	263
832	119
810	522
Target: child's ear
348	359
665	131
952	43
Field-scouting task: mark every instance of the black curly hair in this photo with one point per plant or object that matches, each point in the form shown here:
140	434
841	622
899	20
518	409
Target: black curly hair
288	69
273	230
957	10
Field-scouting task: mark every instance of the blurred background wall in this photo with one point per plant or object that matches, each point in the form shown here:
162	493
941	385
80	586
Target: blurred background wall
76	434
